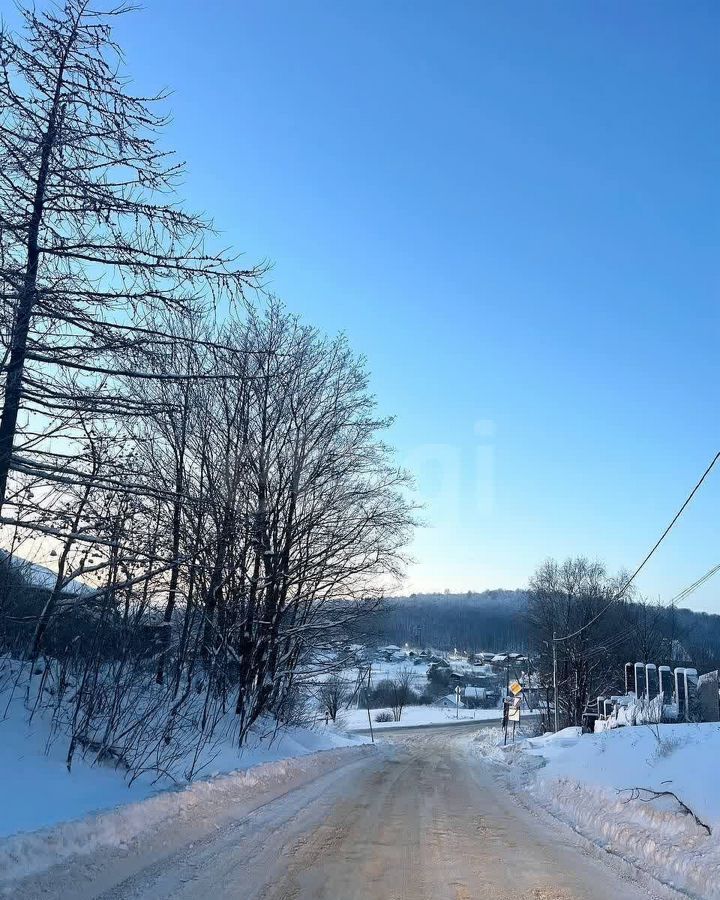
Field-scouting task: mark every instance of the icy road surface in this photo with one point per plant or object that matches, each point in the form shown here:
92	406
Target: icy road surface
417	820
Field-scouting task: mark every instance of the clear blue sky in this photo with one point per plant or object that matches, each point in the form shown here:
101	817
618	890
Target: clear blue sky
512	209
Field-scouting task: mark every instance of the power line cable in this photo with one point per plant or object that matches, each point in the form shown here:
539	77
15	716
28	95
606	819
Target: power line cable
642	564
617	639
690	589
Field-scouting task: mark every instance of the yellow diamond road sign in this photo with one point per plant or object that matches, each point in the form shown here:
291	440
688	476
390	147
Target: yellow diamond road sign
516	687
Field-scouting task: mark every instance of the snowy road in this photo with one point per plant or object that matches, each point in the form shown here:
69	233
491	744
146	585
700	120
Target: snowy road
417	820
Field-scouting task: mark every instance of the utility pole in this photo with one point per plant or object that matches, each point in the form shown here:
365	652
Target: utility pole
555	683
528	699
372	736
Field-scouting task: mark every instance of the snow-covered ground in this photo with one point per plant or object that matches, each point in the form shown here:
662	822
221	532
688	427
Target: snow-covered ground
200	806
37	790
410	819
412	716
388	671
584	780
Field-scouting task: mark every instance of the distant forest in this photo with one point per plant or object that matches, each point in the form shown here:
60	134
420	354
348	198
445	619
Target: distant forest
497	620
699	634
491	620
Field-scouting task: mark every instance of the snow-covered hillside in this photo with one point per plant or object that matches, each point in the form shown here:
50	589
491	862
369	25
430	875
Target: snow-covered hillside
38	791
40	576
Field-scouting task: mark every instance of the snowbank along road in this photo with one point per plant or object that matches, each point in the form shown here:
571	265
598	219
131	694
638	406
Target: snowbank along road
418	819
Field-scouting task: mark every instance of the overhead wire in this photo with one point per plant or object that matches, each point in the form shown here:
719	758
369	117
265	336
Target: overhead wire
655	546
691	588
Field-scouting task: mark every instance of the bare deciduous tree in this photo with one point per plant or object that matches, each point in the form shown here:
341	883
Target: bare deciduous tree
564	601
332	695
93	240
401	692
223	490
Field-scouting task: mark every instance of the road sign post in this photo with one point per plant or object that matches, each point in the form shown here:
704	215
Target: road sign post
514	714
511	710
369	688
555	682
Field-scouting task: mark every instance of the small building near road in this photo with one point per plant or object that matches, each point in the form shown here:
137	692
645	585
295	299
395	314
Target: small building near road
449	702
